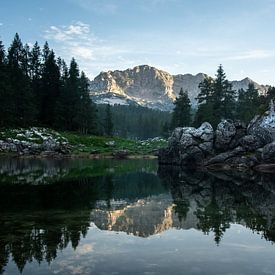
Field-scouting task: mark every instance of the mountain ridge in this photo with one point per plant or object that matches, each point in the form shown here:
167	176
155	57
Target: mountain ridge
150	87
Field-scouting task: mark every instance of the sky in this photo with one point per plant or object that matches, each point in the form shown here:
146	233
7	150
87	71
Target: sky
178	36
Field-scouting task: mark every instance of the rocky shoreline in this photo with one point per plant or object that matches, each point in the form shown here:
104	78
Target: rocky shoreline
230	146
34	142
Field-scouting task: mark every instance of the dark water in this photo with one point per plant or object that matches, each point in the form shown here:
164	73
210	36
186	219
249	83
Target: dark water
131	217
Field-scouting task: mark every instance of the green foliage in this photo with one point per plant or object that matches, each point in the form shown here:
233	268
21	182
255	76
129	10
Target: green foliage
108	121
182	112
108	145
38	89
248	103
216	100
134	122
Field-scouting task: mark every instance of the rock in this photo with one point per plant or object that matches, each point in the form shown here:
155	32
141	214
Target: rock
37	141
268	153
223	157
240	132
148	86
188	145
264	126
225	132
250	142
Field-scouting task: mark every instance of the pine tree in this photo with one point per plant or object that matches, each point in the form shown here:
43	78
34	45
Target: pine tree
216	100
5	89
50	89
223	97
248	103
205	101
108	122
22	106
85	117
182	111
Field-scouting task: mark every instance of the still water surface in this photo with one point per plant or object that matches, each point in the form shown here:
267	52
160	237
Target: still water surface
131	217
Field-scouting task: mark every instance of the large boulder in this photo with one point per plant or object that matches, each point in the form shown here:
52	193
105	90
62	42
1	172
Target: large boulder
268	153
251	142
188	145
225	133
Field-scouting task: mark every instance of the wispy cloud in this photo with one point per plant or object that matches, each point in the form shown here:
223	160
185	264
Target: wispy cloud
92	53
1	24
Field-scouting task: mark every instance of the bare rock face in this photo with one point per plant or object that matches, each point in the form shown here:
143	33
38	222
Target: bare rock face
150	87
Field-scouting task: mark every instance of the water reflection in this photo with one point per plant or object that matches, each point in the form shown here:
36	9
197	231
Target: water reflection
49	206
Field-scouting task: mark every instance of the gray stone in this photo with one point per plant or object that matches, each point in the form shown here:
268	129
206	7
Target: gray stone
251	142
268	153
225	132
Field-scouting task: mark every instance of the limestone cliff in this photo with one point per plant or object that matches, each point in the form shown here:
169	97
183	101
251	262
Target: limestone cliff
150	87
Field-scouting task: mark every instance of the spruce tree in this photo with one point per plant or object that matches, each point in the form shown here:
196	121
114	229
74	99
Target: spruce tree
108	121
223	97
22	107
182	111
205	102
5	89
248	103
85	117
50	89
216	100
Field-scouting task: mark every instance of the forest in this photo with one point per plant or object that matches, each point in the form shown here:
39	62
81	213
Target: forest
37	88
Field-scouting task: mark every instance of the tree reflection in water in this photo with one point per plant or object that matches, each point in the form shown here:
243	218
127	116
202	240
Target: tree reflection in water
37	221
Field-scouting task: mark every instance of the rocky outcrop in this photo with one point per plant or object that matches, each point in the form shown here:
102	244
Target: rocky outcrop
231	145
34	141
150	87
188	145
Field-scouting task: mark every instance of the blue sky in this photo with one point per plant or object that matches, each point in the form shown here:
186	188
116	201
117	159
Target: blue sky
179	36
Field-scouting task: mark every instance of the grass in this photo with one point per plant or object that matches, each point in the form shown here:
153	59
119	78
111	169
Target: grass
85	144
108	145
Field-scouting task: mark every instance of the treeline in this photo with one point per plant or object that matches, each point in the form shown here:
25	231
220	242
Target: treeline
132	121
37	88
217	100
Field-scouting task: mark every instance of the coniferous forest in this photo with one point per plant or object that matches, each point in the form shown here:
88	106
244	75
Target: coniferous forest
37	88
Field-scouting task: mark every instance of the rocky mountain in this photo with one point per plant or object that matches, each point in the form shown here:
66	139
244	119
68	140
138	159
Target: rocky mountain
150	87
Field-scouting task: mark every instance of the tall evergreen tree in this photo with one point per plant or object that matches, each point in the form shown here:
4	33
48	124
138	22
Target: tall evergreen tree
216	99
21	103
5	89
108	121
223	97
205	102
248	103
182	111
50	89
85	117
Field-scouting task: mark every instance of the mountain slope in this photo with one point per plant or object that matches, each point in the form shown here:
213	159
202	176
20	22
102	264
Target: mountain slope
150	87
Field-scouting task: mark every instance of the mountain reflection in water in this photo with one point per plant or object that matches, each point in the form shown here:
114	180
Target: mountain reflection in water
46	205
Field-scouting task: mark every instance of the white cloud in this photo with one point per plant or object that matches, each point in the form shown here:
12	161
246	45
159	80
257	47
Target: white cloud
92	54
71	32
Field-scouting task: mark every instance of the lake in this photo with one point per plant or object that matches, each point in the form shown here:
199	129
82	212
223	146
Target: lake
132	217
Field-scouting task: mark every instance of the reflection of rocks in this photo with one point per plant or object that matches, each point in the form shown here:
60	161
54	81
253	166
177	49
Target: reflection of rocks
220	198
230	146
